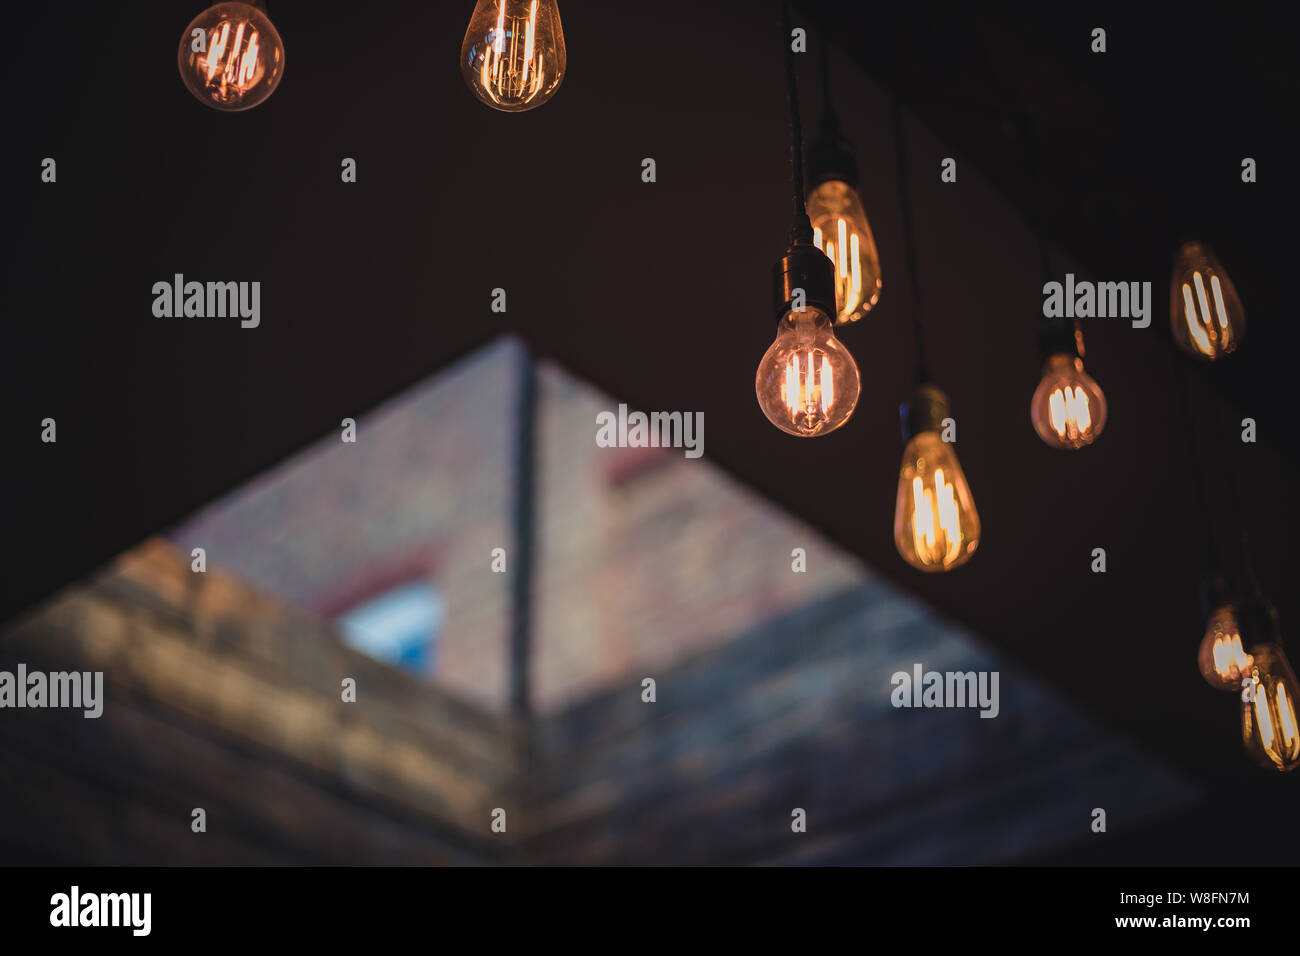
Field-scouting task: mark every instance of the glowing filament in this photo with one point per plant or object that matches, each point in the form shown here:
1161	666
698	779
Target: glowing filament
1286	718
855	269
1223	310
528	43
923	523
1069	412
1210	331
1264	721
513	69
234	51
217	50
936	516
1230	659
809	386
248	65
845	253
232	60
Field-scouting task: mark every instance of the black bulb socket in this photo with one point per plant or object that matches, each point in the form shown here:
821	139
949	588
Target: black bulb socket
924	412
1057	336
805	267
830	159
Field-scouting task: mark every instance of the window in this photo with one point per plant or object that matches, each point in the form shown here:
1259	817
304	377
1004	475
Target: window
398	626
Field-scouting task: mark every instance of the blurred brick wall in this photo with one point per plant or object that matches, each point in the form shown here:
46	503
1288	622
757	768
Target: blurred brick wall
796	712
646	557
642	557
429	481
222	698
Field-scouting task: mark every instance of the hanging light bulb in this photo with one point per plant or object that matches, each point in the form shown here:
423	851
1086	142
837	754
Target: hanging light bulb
231	57
807	382
841	230
1222	660
1269	727
1208	318
513	56
936	526
839	221
1068	408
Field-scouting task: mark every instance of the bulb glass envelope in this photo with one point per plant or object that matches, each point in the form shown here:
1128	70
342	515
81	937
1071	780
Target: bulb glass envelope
231	57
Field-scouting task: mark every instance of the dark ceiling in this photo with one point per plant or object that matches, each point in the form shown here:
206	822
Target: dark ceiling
658	293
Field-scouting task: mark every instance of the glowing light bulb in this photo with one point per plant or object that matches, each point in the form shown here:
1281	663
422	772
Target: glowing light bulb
1221	658
231	57
841	230
936	526
807	382
513	56
1068	408
1208	317
1269	727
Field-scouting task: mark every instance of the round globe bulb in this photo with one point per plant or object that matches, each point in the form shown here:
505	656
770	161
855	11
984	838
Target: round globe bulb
1068	409
231	57
1222	660
807	382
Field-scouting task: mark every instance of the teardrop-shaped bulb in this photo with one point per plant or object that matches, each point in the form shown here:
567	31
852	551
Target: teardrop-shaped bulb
1269	728
1068	408
841	230
807	382
1223	662
936	526
513	56
1207	316
231	57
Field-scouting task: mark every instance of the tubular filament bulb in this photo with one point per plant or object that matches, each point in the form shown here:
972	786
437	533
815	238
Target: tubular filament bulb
841	230
936	526
1269	726
1206	313
513	56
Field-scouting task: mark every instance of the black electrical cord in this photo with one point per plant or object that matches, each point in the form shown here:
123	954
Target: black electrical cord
830	129
922	371
1068	338
801	231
